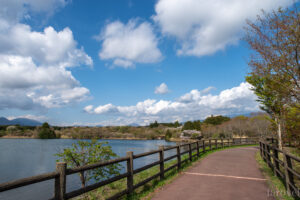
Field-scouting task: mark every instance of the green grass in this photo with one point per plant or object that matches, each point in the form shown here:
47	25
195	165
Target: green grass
276	186
146	191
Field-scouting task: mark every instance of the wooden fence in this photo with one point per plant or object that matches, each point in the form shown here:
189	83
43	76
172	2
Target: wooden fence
283	165
194	149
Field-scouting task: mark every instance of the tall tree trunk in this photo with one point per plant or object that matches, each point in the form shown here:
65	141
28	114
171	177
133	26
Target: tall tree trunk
279	133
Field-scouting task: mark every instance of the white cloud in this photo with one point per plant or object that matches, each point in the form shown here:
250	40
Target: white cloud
190	106
204	27
40	118
34	65
162	89
127	44
46	48
25	85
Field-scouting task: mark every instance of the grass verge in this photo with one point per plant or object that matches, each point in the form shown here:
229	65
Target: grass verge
276	186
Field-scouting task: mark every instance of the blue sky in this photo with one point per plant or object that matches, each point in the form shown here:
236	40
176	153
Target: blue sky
125	61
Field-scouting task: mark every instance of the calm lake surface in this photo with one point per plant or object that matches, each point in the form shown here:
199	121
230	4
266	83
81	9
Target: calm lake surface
21	158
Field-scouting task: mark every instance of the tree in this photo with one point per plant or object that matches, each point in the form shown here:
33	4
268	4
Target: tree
275	68
154	125
216	120
46	132
176	124
189	125
168	135
90	152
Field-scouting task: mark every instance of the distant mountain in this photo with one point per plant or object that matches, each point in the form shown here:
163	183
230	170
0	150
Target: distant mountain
20	121
4	121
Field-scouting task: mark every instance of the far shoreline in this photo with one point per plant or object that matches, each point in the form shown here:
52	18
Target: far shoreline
27	137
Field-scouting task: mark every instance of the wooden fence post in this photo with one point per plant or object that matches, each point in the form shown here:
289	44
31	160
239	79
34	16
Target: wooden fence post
178	157
222	143
276	163
264	151
269	156
190	152
260	149
60	181
210	144
162	163
203	146
216	144
289	178
198	150
240	140
130	172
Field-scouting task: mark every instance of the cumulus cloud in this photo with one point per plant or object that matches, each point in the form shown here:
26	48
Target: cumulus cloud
49	47
204	27
162	89
190	106
34	65
127	44
25	85
33	117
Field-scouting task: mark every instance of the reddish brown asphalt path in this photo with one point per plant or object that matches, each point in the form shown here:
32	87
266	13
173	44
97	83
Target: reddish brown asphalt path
226	175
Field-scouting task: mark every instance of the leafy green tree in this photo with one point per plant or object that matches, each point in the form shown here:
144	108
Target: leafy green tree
275	67
197	125
90	152
176	124
168	135
216	120
154	125
46	132
189	125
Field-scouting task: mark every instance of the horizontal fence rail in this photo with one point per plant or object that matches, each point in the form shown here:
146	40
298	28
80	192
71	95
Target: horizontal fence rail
197	148
283	165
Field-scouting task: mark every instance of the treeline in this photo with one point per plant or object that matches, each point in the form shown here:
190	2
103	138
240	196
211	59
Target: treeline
257	124
41	132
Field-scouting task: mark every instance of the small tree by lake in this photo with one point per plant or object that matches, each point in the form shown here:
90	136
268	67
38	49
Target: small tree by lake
90	152
46	132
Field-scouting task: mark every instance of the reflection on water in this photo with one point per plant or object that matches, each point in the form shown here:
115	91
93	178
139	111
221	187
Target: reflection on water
20	158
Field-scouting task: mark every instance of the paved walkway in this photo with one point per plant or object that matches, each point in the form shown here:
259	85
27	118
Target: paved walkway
227	175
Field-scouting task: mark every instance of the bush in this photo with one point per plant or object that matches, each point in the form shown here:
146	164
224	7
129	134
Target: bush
46	132
168	135
2	133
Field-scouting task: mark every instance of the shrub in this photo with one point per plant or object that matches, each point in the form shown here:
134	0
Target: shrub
46	132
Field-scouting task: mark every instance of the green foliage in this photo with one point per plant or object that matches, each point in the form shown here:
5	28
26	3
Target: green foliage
262	87
46	132
176	124
124	129
154	125
90	152
2	133
168	135
293	125
189	125
216	120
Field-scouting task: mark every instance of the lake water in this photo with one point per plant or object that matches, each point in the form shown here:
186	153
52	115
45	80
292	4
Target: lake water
20	158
